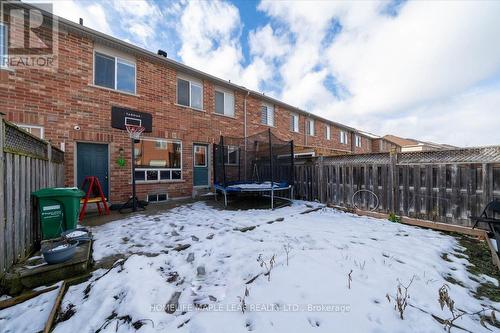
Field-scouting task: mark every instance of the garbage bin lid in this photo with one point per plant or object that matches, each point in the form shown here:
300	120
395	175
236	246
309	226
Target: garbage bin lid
59	192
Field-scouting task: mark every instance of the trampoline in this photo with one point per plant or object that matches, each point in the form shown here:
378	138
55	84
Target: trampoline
261	164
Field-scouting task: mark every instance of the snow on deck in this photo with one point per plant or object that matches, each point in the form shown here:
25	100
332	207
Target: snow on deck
310	294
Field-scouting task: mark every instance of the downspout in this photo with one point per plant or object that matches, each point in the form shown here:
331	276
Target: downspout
245	130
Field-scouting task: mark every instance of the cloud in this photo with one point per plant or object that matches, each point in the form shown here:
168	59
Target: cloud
419	69
265	43
93	14
431	50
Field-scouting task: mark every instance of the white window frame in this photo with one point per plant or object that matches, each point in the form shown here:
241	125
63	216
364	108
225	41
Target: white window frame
171	170
226	154
121	60
28	129
308	154
157	195
295	122
268	107
343	137
4	58
192	82
225	92
310	127
358	141
328	132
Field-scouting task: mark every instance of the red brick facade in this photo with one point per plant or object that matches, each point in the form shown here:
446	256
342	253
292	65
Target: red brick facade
62	100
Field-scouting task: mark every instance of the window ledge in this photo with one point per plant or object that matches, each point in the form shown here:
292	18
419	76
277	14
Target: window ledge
189	107
113	90
146	182
224	115
7	69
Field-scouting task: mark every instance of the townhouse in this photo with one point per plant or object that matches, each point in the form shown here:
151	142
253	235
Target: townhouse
71	105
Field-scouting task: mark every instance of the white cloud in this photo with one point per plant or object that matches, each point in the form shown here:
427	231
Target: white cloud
93	14
400	72
426	72
431	50
264	42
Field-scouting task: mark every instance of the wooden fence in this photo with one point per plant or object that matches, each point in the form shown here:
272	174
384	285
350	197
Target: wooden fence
26	165
446	186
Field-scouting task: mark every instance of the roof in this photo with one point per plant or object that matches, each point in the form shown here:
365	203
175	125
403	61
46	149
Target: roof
127	47
369	135
400	141
406	142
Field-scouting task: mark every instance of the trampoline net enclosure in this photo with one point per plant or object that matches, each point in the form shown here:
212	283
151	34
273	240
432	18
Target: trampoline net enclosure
261	159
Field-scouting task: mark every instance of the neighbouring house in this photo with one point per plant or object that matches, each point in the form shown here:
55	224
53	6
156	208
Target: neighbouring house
70	105
411	145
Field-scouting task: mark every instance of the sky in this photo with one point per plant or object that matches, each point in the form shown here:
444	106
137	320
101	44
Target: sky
425	70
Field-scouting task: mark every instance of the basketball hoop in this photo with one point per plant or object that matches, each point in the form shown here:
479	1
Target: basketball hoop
134	131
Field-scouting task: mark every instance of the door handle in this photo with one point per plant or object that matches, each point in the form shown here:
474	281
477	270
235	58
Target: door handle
106	177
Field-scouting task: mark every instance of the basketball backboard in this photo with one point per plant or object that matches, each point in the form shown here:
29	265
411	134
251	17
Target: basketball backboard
120	117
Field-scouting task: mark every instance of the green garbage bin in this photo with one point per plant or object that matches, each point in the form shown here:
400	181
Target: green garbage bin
58	210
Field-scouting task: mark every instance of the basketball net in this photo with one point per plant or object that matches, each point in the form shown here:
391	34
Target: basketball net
134	131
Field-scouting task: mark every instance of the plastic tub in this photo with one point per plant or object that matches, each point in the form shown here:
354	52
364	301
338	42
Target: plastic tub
59	252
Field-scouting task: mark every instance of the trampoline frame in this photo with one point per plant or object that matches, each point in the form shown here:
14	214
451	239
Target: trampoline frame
232	188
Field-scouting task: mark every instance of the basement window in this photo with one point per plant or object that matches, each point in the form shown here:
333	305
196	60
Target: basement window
160	197
114	73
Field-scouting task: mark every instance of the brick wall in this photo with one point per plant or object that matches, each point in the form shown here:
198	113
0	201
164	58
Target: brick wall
65	98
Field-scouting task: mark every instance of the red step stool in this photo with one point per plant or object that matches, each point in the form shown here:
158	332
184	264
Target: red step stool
94	189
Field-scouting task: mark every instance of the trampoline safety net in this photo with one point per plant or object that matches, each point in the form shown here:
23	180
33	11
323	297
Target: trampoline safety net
259	158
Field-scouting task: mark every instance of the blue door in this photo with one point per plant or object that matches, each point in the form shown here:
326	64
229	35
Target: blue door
200	165
92	160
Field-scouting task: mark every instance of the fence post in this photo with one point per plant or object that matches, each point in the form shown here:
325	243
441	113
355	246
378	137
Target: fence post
321	180
3	261
50	167
392	180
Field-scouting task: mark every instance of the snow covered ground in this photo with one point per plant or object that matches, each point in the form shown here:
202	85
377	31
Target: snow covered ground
342	271
29	316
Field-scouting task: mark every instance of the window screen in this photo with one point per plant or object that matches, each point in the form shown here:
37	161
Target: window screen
104	71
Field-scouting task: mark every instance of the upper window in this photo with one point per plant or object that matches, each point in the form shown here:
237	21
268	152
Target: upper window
267	115
3	45
190	93
114	73
310	127
358	141
343	137
224	102
328	134
157	160
294	124
32	129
